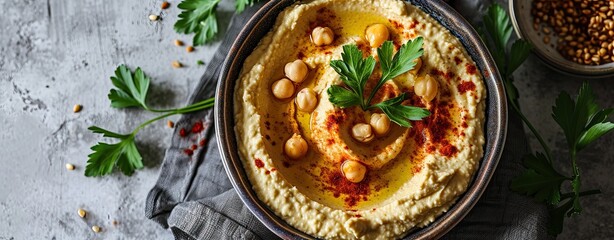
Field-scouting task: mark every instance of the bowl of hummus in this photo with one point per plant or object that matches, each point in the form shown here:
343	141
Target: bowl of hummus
350	119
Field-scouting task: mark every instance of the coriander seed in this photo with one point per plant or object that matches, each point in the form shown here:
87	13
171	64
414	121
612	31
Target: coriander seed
82	213
77	108
189	49
96	229
176	64
178	43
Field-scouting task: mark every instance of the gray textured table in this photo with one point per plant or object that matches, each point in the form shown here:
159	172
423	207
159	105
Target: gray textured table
54	54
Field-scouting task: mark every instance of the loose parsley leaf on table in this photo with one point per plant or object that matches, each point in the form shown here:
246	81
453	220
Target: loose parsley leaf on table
354	71
581	121
540	179
131	91
104	157
200	17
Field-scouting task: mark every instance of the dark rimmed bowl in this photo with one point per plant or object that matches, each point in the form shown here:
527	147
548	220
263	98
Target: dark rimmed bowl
495	125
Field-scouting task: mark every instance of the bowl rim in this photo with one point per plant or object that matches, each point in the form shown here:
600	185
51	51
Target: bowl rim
558	64
495	115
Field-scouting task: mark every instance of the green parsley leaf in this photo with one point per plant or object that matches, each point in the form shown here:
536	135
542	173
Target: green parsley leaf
594	132
401	62
581	121
401	114
131	89
199	17
104	157
520	51
343	97
354	71
540	180
498	25
241	4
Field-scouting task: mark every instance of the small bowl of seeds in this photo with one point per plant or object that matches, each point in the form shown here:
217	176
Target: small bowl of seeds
572	36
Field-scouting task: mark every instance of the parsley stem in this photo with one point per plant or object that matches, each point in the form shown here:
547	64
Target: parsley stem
183	109
377	87
533	130
192	108
151	121
581	194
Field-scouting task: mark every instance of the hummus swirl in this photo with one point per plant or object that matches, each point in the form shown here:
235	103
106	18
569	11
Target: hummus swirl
413	174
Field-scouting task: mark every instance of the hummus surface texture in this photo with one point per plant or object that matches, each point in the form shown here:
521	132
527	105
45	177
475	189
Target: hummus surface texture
414	174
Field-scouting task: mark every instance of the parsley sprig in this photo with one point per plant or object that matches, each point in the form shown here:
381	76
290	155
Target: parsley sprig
582	122
200	17
130	91
354	71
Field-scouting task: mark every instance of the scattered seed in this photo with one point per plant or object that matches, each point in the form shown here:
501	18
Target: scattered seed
70	167
176	64
77	108
81	212
96	229
178	43
153	17
189	49
170	124
165	5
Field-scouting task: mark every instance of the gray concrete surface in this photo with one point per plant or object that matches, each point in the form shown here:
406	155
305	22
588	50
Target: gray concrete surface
54	54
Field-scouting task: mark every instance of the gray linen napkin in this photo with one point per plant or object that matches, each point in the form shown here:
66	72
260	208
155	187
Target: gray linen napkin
194	198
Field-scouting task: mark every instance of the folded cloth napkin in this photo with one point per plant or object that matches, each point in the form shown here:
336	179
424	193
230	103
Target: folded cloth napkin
194	198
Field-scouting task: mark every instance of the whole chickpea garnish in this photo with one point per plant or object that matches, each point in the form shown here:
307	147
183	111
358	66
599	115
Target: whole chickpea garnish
362	132
296	71
283	88
426	87
417	67
380	123
377	34
306	100
296	147
322	36
353	171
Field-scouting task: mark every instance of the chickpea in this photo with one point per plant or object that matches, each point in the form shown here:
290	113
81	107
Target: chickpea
353	171
380	123
322	36
377	34
417	67
296	71
362	132
306	100
296	147
426	87
283	88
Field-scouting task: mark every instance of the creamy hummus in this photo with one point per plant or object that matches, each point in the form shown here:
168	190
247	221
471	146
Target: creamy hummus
414	174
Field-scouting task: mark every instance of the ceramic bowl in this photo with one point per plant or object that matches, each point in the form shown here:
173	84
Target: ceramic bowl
520	14
495	125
